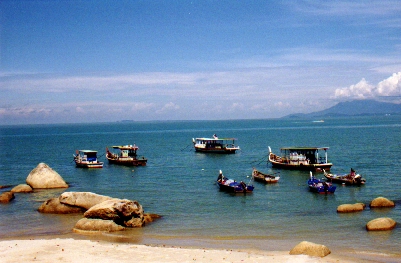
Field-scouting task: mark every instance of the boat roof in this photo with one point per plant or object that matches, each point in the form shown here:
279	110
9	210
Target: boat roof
126	147
214	139
304	148
87	151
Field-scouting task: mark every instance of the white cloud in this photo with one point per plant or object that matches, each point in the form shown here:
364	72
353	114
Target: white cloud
364	90
169	107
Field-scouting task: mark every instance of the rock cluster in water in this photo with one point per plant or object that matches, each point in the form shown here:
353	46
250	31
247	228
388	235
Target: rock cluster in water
378	224
101	213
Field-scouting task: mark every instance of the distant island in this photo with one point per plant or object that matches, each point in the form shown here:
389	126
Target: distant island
353	108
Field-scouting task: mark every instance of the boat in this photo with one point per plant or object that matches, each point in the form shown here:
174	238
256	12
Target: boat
126	156
232	186
215	145
348	179
87	159
321	187
301	158
265	178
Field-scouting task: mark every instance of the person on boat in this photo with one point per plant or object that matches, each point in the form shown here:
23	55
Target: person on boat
215	136
220	177
352	173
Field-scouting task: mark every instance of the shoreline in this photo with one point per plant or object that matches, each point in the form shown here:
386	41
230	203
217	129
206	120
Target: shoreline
100	248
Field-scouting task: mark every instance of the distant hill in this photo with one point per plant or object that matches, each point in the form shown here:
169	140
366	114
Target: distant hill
353	108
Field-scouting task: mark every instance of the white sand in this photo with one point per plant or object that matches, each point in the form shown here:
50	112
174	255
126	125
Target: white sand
71	250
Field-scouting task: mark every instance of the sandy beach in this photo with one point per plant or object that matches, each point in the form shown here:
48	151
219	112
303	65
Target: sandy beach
72	250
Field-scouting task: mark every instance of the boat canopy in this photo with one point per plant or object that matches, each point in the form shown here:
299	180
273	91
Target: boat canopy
216	139
303	148
126	147
87	151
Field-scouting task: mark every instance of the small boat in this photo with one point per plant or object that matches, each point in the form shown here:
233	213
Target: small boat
348	179
215	145
321	187
301	158
232	186
87	159
265	178
126	156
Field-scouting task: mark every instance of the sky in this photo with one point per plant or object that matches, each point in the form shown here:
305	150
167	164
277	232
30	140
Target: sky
68	61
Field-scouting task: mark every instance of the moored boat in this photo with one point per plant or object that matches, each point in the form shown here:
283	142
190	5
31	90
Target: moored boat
348	179
232	186
301	158
126	156
87	159
321	187
215	145
265	178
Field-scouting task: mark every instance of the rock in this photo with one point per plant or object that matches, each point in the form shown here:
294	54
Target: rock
381	224
381	202
122	211
98	225
350	208
311	249
53	206
150	217
45	177
22	188
83	199
6	197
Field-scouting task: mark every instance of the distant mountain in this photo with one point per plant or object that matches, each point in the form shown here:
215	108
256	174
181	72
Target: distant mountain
353	108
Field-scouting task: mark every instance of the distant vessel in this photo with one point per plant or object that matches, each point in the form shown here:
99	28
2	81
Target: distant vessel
301	158
317	186
230	185
87	159
126	156
265	178
319	121
215	145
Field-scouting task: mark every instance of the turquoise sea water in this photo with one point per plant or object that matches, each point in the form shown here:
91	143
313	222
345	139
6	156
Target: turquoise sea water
179	184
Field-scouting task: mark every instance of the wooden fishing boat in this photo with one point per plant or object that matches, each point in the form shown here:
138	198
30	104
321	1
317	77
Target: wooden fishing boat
265	178
301	158
321	187
126	156
232	186
215	145
348	179
87	159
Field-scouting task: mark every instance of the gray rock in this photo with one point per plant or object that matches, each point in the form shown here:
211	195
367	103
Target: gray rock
381	224
22	188
381	202
45	177
350	208
53	206
83	199
6	197
310	249
96	225
122	211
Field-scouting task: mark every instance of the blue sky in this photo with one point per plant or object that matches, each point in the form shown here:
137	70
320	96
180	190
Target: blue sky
98	61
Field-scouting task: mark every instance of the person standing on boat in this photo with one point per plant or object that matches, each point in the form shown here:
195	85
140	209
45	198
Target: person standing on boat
352	173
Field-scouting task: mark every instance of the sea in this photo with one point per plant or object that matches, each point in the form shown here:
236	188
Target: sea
179	183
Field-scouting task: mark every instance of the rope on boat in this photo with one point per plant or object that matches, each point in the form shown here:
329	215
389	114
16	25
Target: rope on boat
260	160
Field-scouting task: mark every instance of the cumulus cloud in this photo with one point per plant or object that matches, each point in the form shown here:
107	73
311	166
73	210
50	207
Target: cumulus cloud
364	90
169	107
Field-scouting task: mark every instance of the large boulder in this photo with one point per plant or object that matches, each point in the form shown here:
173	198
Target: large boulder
381	224
53	206
6	197
83	199
381	202
310	249
96	225
350	208
45	177
122	211
22	188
